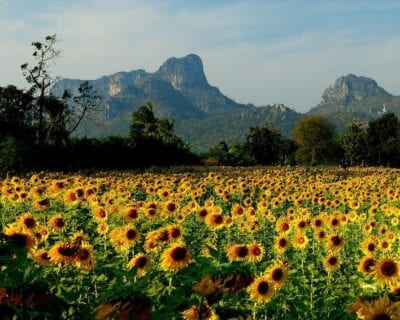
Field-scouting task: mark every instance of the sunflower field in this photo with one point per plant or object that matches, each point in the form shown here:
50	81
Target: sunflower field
231	243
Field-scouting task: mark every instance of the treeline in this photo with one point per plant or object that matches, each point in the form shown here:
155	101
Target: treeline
36	127
315	142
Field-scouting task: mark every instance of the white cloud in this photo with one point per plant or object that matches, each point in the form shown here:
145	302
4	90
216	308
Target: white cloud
260	53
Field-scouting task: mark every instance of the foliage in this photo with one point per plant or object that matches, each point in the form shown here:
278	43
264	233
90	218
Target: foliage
315	139
354	144
383	140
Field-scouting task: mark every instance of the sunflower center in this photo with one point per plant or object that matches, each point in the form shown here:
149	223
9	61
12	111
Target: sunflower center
67	251
59	222
171	206
336	240
368	264
332	261
175	233
242	251
179	253
381	316
388	268
256	251
18	239
302	224
44	202
29	223
263	287
45	256
141	262
318	223
131	234
277	274
203	213
84	254
335	222
133	213
282	242
371	247
218	219
285	227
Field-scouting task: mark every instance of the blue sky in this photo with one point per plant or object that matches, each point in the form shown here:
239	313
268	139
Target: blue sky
255	51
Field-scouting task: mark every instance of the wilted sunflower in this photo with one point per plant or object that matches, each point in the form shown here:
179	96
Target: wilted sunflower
19	238
42	257
366	264
237	252
386	270
142	262
175	258
380	309
261	290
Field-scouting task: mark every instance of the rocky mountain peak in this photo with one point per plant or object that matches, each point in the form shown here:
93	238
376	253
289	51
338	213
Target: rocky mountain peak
184	73
351	88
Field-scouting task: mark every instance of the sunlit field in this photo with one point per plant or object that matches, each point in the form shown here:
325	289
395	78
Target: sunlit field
264	243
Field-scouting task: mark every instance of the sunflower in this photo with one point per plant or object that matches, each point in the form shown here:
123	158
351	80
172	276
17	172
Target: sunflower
131	213
107	311
57	223
331	263
237	252
175	232
99	214
19	238
175	258
282	225
202	213
71	198
122	238
42	257
170	207
386	270
281	244
27	222
300	241
370	245
261	290
256	252
214	220
85	257
366	264
277	275
380	309
64	252
102	228
208	285
42	204
335	242
142	262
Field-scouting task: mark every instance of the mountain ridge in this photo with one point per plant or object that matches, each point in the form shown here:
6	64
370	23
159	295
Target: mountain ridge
204	116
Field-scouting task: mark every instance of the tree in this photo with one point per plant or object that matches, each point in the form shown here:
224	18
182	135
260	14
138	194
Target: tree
145	125
264	144
315	139
16	113
354	144
383	140
39	76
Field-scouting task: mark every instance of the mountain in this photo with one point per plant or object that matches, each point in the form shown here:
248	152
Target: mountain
204	116
179	90
355	98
